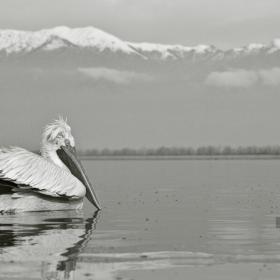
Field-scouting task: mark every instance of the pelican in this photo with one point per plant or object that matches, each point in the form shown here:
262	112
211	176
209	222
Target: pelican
54	180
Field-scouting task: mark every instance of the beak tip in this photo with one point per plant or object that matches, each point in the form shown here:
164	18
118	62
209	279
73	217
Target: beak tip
98	206
93	200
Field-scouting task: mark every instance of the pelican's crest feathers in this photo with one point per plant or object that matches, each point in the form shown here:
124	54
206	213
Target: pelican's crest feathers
53	129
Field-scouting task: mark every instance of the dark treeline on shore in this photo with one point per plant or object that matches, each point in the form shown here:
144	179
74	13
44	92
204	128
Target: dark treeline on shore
174	151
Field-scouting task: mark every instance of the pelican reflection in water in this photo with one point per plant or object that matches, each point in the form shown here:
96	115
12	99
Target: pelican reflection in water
53	181
43	245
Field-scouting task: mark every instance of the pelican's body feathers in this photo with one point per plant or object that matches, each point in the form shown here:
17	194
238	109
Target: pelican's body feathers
22	167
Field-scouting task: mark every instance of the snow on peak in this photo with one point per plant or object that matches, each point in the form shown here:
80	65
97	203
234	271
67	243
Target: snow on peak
253	47
91	37
275	43
54	43
162	50
238	49
14	41
274	46
170	51
201	48
60	31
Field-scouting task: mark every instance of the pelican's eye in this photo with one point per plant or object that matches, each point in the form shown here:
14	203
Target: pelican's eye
60	135
67	142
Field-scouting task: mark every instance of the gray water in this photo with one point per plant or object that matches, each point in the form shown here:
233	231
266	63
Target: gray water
161	219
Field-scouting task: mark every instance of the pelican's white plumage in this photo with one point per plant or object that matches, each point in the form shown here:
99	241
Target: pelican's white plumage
35	179
25	168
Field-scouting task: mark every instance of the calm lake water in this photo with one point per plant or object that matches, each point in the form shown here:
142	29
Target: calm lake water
161	219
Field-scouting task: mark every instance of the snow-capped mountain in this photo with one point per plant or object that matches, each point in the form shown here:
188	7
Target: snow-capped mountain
13	41
90	46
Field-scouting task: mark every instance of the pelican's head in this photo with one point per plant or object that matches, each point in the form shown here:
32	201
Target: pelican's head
57	134
58	146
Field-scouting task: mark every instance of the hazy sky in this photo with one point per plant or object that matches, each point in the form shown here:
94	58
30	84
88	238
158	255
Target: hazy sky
223	23
233	107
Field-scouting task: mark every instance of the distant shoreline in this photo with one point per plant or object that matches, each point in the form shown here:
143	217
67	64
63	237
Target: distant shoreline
193	157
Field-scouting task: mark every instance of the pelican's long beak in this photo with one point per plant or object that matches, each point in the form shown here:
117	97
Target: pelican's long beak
67	154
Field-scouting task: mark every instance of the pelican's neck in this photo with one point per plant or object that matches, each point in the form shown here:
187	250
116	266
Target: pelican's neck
48	152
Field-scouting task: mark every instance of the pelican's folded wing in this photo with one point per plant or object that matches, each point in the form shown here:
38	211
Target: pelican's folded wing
29	170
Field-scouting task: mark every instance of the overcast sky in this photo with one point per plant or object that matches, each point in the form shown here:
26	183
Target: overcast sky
223	23
234	107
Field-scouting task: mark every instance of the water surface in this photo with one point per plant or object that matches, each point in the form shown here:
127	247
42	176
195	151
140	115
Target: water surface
167	219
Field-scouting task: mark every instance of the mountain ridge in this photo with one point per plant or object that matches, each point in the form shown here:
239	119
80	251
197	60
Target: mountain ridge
64	49
18	41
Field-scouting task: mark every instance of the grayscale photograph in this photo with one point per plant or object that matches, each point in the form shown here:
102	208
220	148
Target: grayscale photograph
140	139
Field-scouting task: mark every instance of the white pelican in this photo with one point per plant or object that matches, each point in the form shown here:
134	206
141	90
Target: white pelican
53	181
